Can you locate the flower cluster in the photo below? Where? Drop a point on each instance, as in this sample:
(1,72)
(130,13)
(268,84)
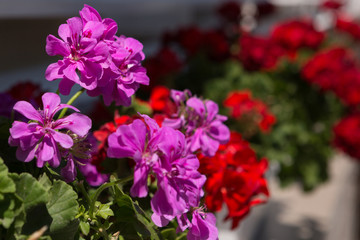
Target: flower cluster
(42,137)
(200,121)
(108,65)
(347,135)
(234,177)
(161,151)
(259,53)
(241,104)
(335,70)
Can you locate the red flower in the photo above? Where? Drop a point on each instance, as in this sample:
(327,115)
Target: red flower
(297,34)
(332,4)
(326,67)
(160,101)
(258,53)
(165,62)
(347,135)
(234,177)
(191,39)
(349,26)
(241,103)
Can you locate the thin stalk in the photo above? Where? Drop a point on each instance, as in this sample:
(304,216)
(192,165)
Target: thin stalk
(72,99)
(102,188)
(84,192)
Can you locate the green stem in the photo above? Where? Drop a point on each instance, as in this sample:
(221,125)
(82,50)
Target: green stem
(102,188)
(84,192)
(76,95)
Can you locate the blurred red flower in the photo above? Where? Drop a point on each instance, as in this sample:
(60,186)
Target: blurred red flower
(347,135)
(241,103)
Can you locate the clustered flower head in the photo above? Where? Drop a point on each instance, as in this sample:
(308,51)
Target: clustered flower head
(347,135)
(335,70)
(108,65)
(199,120)
(234,177)
(45,138)
(242,104)
(161,152)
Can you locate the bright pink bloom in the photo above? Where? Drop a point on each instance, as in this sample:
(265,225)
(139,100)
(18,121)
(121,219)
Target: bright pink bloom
(41,137)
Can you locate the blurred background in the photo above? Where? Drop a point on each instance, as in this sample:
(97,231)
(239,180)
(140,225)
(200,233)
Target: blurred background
(330,211)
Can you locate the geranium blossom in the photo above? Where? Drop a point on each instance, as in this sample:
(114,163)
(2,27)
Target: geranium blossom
(234,177)
(162,152)
(199,119)
(41,137)
(242,104)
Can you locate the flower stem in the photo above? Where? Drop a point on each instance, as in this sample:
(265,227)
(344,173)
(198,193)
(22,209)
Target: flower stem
(72,99)
(102,188)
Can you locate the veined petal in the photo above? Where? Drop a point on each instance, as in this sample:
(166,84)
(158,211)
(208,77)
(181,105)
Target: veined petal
(70,72)
(53,71)
(197,105)
(63,139)
(45,151)
(140,188)
(27,110)
(78,123)
(20,129)
(88,13)
(212,109)
(50,101)
(55,46)
(65,33)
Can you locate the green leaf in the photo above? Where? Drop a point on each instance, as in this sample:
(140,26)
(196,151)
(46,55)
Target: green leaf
(62,205)
(85,228)
(29,190)
(7,185)
(104,211)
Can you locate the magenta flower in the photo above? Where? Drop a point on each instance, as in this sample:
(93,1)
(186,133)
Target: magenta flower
(203,226)
(125,73)
(40,137)
(82,51)
(162,152)
(199,119)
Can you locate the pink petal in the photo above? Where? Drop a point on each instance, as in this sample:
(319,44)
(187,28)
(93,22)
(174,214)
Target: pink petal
(27,110)
(76,122)
(53,71)
(55,46)
(50,102)
(63,139)
(65,86)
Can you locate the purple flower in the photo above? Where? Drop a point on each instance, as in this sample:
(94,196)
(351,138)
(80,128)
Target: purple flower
(162,152)
(40,137)
(203,226)
(82,51)
(199,119)
(125,73)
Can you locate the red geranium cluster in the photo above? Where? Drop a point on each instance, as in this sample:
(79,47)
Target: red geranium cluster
(234,177)
(347,135)
(296,34)
(335,70)
(259,53)
(348,25)
(241,103)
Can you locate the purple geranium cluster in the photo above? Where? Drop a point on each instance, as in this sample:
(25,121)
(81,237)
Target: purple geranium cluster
(199,120)
(47,139)
(162,152)
(96,59)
